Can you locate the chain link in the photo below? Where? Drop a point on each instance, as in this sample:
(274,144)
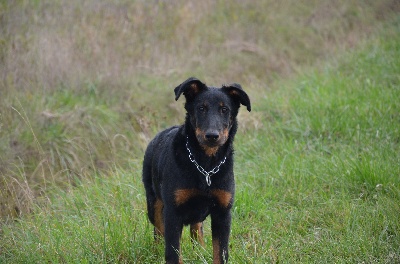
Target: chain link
(207,174)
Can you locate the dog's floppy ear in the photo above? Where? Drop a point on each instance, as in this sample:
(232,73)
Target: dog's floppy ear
(235,91)
(190,88)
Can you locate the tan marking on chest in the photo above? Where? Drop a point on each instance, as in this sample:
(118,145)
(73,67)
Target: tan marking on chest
(224,198)
(183,195)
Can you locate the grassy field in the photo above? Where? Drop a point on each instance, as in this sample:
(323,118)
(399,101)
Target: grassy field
(85,85)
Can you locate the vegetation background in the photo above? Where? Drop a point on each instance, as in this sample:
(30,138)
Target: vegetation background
(84,85)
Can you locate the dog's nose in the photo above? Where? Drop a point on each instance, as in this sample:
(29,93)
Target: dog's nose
(212,136)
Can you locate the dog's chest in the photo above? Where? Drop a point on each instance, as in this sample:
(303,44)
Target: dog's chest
(195,204)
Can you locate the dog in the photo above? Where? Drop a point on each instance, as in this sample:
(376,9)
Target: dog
(188,169)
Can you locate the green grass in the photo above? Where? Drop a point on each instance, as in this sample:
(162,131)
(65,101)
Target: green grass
(317,160)
(322,179)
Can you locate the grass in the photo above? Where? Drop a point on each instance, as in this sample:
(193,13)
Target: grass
(317,161)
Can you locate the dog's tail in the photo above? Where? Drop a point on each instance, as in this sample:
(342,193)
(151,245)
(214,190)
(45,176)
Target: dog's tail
(148,183)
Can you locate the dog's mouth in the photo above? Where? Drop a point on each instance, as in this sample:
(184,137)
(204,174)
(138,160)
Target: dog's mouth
(210,141)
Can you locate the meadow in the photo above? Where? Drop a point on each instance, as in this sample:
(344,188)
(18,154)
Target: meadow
(86,84)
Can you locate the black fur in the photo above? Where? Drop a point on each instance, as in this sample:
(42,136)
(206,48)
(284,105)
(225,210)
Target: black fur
(177,193)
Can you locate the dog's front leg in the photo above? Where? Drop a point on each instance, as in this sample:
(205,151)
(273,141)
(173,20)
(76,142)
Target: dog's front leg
(220,226)
(173,232)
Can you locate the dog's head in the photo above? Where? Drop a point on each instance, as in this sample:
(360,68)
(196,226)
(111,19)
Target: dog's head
(212,111)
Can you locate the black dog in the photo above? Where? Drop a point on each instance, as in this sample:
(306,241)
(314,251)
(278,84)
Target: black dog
(188,169)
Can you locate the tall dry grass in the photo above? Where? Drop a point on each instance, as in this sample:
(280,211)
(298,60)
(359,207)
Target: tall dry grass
(70,42)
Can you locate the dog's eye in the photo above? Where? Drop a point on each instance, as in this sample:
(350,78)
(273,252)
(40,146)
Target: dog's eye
(202,109)
(224,109)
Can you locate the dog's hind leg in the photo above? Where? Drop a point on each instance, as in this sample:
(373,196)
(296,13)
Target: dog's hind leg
(158,219)
(154,205)
(196,233)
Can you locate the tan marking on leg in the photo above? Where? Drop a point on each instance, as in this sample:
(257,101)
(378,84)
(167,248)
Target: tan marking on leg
(158,217)
(216,249)
(223,197)
(196,233)
(183,195)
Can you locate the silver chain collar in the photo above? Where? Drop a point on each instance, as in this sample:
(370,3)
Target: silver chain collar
(207,174)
